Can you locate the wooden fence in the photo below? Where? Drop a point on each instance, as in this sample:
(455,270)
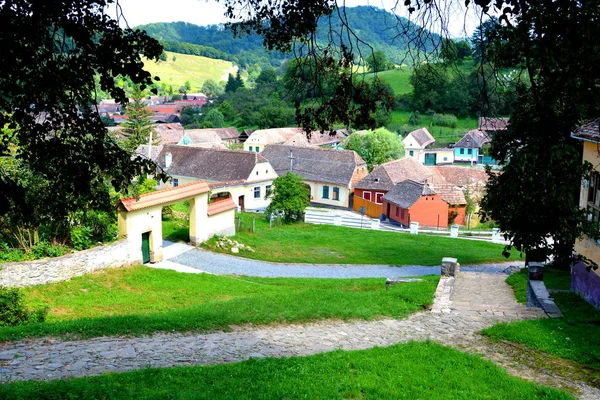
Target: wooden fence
(373,210)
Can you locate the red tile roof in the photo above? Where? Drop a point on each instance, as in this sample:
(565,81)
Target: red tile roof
(220,206)
(164,196)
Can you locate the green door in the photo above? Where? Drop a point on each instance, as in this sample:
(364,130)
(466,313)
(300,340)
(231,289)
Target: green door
(146,247)
(430,158)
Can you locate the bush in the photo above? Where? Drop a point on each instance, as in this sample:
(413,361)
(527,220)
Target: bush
(448,120)
(81,237)
(44,249)
(10,254)
(13,311)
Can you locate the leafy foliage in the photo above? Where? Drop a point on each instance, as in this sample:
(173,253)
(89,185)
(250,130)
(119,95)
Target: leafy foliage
(13,311)
(375,147)
(377,61)
(289,197)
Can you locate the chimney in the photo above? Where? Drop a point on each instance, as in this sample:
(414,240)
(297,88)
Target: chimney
(168,159)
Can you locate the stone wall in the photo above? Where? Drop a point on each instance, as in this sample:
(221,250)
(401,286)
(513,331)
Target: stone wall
(47,270)
(586,283)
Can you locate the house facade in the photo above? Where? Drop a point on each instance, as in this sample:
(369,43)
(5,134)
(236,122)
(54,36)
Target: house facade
(259,139)
(242,176)
(330,174)
(587,283)
(411,201)
(416,142)
(468,148)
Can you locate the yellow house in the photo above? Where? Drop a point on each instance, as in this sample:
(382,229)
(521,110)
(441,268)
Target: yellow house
(584,282)
(330,174)
(243,176)
(416,142)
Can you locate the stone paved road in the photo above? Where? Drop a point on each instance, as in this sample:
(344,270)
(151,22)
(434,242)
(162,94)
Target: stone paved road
(476,301)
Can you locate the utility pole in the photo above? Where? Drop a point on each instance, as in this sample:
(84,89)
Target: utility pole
(292,158)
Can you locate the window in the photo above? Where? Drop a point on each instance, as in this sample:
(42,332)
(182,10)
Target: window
(269,188)
(445,158)
(411,153)
(257,149)
(175,182)
(256,172)
(378,197)
(336,194)
(325,192)
(257,192)
(397,211)
(250,148)
(470,151)
(462,151)
(402,213)
(367,196)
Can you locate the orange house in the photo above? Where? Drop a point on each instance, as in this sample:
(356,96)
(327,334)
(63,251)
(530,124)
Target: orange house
(411,201)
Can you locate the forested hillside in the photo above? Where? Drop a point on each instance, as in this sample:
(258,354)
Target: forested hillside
(377,27)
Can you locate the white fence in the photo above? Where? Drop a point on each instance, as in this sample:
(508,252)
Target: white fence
(339,218)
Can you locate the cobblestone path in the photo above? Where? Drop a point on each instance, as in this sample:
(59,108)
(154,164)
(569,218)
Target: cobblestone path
(476,300)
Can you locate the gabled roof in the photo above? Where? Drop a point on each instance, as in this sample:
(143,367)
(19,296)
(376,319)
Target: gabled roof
(220,206)
(227,133)
(450,193)
(473,140)
(210,164)
(589,131)
(406,193)
(492,124)
(314,163)
(273,136)
(422,137)
(201,136)
(150,152)
(462,176)
(384,176)
(169,133)
(164,196)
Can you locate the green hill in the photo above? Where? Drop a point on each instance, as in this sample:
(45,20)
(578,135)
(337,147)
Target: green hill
(195,69)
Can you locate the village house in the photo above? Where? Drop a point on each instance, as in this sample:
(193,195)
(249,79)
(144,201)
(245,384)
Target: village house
(330,174)
(587,283)
(206,138)
(411,201)
(468,148)
(259,139)
(369,192)
(492,125)
(243,176)
(416,144)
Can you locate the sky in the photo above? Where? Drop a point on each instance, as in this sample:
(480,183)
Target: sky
(208,12)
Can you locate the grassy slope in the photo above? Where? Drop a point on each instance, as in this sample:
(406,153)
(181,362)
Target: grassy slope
(191,68)
(406,371)
(140,300)
(576,336)
(327,244)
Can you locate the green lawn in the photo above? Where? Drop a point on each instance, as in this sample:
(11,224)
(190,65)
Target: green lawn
(442,134)
(141,300)
(186,67)
(328,244)
(575,336)
(175,228)
(407,371)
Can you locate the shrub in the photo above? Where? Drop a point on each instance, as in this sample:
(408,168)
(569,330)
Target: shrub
(44,249)
(13,311)
(448,120)
(10,254)
(81,237)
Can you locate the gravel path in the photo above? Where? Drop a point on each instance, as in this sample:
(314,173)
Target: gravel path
(223,264)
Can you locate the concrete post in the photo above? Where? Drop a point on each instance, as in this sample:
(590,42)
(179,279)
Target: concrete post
(496,235)
(450,266)
(337,220)
(454,231)
(535,273)
(414,228)
(375,223)
(199,219)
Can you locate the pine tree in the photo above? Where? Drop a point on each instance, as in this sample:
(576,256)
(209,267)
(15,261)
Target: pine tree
(138,127)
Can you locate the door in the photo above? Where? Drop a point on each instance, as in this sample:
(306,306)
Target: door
(430,158)
(241,203)
(146,247)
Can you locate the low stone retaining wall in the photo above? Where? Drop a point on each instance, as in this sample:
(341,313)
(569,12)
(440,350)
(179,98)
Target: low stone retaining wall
(47,270)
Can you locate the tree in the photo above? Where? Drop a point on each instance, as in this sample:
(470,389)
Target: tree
(212,89)
(213,119)
(289,197)
(377,61)
(138,128)
(232,84)
(50,57)
(375,147)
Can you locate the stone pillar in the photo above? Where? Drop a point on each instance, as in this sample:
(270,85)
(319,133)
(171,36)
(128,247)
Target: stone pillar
(414,228)
(535,273)
(337,220)
(454,231)
(450,266)
(375,223)
(496,235)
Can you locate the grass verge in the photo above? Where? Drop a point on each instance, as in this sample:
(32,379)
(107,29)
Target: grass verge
(140,300)
(328,244)
(417,370)
(575,336)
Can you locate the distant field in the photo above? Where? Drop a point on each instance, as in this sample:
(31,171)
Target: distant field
(442,134)
(186,67)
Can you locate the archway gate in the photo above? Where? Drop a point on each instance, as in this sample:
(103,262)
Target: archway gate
(140,220)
